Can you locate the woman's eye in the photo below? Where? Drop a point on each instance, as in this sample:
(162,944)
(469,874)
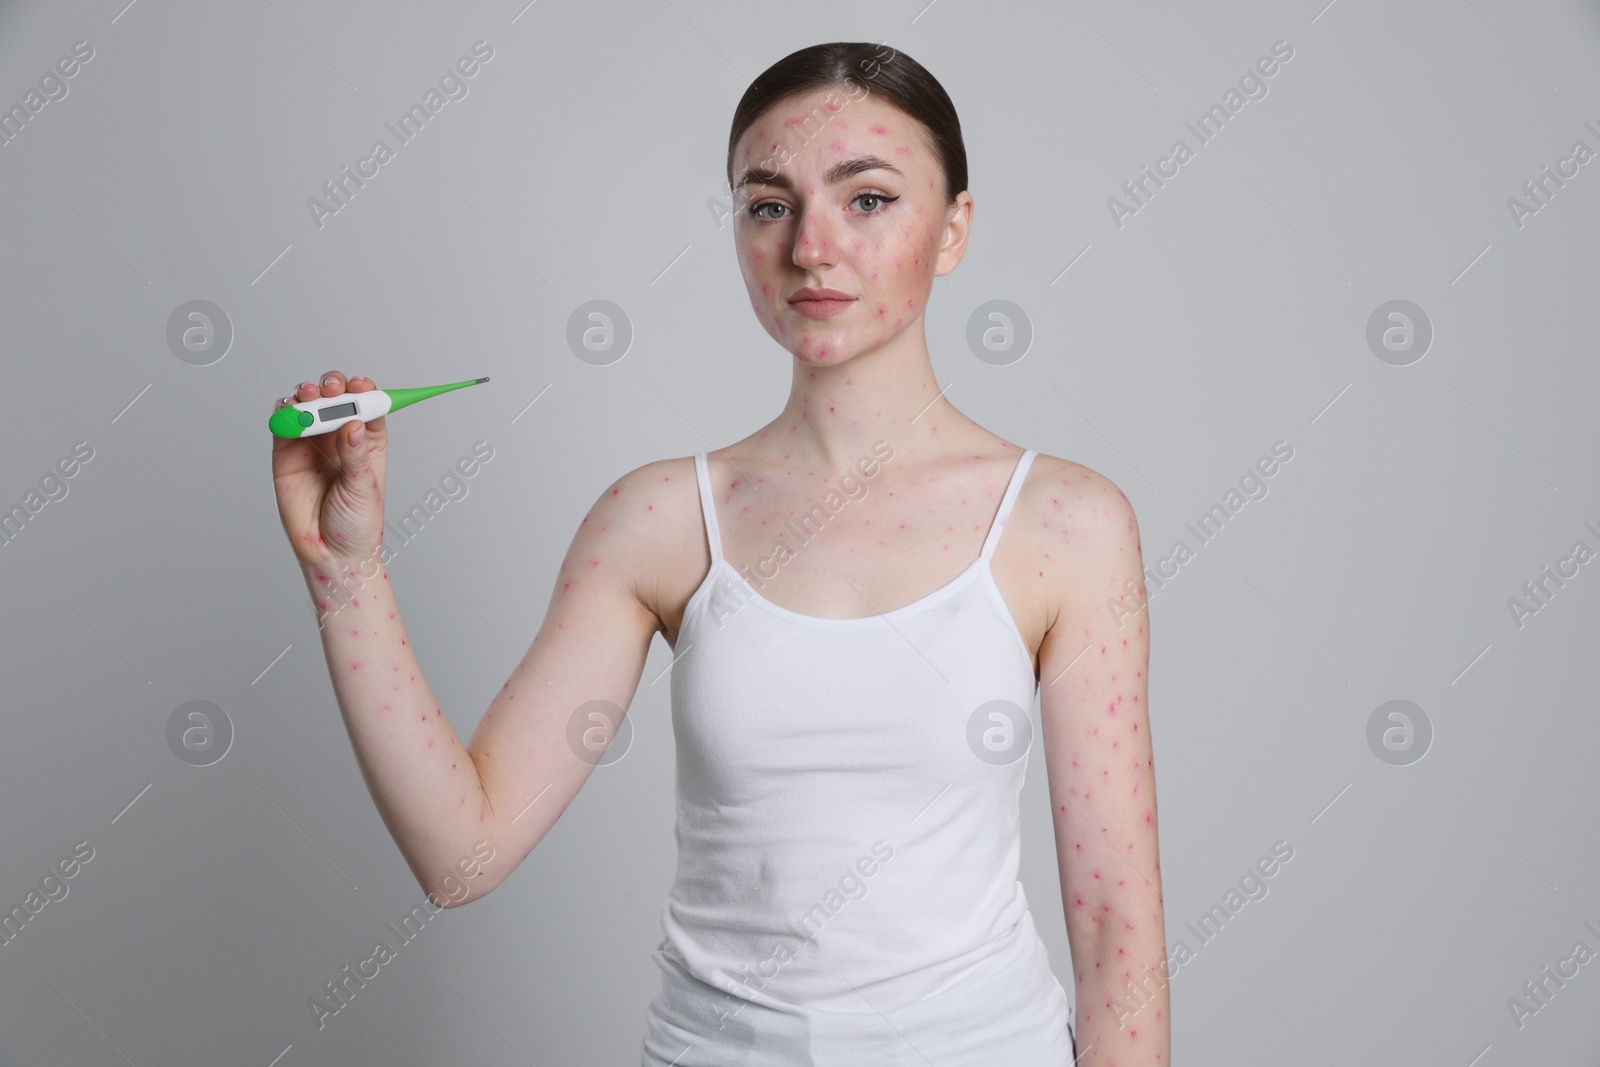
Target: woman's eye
(879,197)
(755,209)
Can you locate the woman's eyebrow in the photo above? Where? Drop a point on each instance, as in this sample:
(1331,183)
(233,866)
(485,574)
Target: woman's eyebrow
(847,168)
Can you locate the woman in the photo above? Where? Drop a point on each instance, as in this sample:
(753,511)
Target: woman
(856,651)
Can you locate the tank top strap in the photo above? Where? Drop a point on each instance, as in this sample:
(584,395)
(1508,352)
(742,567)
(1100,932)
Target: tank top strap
(1010,498)
(702,475)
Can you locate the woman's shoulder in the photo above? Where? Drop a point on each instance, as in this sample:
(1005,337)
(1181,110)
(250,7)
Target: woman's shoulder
(644,514)
(645,529)
(653,499)
(1067,484)
(1070,511)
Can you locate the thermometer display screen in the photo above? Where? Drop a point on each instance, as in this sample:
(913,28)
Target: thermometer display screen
(337,411)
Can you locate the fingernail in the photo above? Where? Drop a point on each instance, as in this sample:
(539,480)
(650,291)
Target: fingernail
(307,385)
(357,434)
(329,380)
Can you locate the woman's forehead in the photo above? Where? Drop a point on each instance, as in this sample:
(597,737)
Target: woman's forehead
(819,128)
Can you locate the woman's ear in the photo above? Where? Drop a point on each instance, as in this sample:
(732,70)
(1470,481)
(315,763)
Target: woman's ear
(957,226)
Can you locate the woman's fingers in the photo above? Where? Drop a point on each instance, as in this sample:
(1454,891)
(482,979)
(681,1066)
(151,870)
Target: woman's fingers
(331,384)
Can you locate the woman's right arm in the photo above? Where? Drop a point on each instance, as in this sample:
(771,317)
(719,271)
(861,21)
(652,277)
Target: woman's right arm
(463,816)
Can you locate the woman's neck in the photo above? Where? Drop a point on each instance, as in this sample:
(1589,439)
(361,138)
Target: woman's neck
(835,414)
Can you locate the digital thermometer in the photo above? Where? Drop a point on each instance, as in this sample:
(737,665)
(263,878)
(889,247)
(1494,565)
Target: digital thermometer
(328,413)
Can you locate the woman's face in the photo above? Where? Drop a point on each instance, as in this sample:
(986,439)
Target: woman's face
(839,190)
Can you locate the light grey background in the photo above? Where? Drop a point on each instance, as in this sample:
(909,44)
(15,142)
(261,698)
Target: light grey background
(585,163)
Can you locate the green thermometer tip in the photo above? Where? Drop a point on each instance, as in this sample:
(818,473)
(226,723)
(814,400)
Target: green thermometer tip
(399,398)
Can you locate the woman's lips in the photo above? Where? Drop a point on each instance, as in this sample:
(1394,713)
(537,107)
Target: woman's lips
(820,309)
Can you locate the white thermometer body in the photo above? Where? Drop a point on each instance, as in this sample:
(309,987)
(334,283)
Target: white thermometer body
(331,412)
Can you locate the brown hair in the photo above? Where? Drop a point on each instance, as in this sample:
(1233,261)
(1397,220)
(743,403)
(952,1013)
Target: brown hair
(901,81)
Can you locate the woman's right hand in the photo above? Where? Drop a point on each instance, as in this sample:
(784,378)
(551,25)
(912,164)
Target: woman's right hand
(330,486)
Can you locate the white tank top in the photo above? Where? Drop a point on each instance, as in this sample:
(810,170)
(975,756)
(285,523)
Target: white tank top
(847,833)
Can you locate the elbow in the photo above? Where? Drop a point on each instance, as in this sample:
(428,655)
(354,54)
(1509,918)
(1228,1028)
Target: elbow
(453,891)
(462,882)
(464,897)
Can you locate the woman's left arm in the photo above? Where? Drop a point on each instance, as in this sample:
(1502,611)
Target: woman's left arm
(1094,707)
